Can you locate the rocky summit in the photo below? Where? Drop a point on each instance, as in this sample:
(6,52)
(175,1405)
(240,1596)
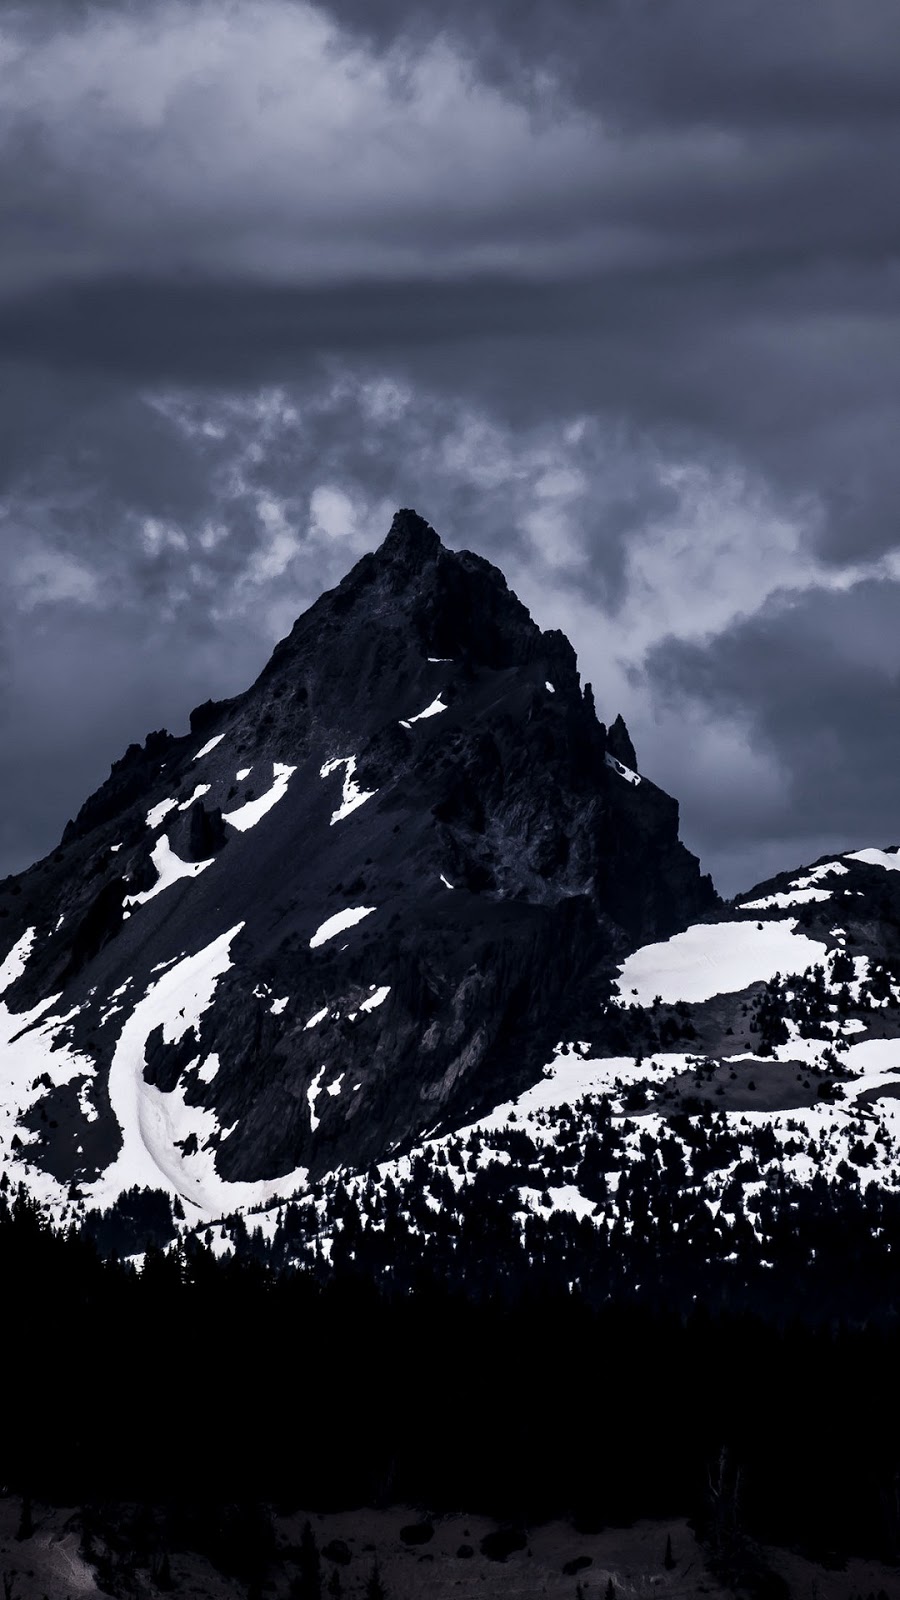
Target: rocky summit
(355,906)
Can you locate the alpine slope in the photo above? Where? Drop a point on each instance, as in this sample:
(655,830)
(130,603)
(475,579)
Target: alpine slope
(407,902)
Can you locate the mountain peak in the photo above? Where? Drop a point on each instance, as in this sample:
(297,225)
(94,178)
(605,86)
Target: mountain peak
(619,743)
(396,862)
(411,540)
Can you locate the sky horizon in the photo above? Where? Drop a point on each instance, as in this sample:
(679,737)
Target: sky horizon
(609,294)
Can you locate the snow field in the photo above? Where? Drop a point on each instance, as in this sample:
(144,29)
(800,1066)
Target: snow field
(154,1124)
(877,858)
(34,1044)
(801,891)
(715,958)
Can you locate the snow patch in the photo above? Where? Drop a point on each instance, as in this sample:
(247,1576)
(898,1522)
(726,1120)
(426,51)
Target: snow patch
(247,816)
(715,958)
(157,813)
(154,1124)
(278,1006)
(17,960)
(430,711)
(170,868)
(352,795)
(202,788)
(34,1048)
(210,745)
(316,1018)
(243,773)
(877,858)
(446,882)
(337,924)
(621,769)
(789,897)
(549,687)
(312,1095)
(816,874)
(376,999)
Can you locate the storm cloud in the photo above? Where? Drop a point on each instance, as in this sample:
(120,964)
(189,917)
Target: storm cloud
(607,291)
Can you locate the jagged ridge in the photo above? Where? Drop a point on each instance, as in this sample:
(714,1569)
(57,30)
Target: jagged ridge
(416,751)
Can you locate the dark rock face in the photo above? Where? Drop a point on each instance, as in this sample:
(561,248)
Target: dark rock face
(619,745)
(436,766)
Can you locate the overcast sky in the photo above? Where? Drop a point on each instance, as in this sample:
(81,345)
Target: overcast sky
(606,289)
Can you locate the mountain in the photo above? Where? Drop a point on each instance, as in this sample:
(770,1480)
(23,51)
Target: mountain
(357,904)
(384,1024)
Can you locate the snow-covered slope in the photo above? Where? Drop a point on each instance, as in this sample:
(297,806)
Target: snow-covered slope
(408,905)
(762,1052)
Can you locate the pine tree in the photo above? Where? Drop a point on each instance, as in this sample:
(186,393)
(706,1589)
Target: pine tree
(308,1583)
(162,1572)
(26,1522)
(375,1589)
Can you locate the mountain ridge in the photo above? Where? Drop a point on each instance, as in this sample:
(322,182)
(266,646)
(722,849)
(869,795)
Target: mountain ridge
(417,757)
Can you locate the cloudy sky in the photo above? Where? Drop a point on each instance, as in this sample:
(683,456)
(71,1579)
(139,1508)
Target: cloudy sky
(606,289)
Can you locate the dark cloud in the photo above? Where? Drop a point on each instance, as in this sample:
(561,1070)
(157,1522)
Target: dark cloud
(674,60)
(607,288)
(815,681)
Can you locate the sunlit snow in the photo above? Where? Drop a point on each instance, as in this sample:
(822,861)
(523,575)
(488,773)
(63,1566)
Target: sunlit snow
(201,788)
(876,858)
(352,795)
(801,890)
(338,923)
(156,813)
(17,960)
(430,711)
(248,815)
(376,999)
(789,897)
(312,1095)
(170,868)
(621,769)
(715,958)
(828,869)
(154,1123)
(210,745)
(33,1047)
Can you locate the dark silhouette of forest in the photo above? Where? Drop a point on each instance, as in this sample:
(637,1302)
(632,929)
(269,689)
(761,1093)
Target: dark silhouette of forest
(675,1363)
